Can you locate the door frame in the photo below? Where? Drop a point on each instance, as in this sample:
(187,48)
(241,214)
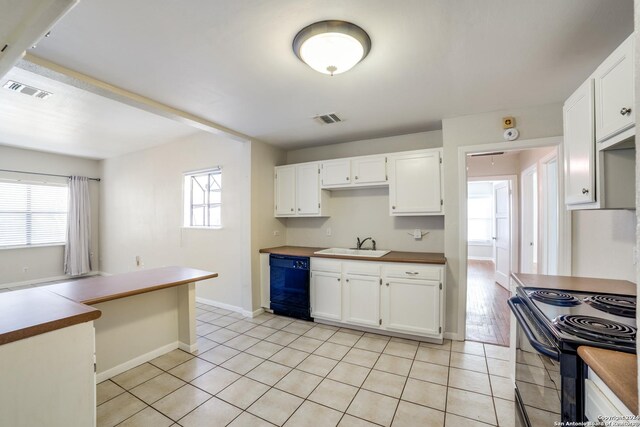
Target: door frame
(543,202)
(513,226)
(564,223)
(523,203)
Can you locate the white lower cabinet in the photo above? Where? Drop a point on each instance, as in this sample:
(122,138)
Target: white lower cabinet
(411,306)
(326,295)
(402,298)
(362,300)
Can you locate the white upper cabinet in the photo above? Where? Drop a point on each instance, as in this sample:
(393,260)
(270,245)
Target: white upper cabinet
(336,173)
(415,183)
(285,191)
(308,189)
(614,90)
(579,149)
(366,171)
(369,170)
(297,191)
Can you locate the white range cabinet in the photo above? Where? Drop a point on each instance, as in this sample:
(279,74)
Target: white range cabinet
(599,130)
(395,297)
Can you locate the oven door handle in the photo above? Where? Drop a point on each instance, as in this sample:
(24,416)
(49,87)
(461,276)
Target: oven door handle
(514,305)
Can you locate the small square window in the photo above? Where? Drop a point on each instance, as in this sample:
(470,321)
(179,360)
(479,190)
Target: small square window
(203,198)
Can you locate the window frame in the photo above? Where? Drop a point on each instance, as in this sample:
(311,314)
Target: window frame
(188,205)
(490,220)
(29,213)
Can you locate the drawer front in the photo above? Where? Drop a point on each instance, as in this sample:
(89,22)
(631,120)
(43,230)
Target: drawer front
(413,271)
(365,268)
(328,265)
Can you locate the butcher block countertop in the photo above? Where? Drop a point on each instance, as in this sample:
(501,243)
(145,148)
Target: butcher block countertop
(618,370)
(29,312)
(393,256)
(99,289)
(571,283)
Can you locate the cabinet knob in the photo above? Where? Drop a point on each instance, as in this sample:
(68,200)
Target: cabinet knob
(387,285)
(291,209)
(347,178)
(625,111)
(356,176)
(393,207)
(338,279)
(347,280)
(585,191)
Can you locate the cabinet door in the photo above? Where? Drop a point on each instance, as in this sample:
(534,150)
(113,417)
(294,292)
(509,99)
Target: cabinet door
(411,306)
(369,170)
(579,146)
(362,300)
(414,184)
(614,89)
(336,173)
(326,295)
(308,189)
(285,185)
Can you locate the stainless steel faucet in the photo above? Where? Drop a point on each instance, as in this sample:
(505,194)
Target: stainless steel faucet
(360,243)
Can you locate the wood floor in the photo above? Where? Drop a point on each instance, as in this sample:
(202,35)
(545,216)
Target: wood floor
(487,310)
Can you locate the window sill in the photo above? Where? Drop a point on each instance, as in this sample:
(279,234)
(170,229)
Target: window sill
(186,227)
(31,246)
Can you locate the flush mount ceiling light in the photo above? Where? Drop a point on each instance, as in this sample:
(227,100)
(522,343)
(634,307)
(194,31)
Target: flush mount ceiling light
(332,47)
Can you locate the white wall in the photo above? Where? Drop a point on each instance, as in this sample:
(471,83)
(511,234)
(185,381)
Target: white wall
(45,262)
(263,224)
(365,212)
(413,141)
(535,122)
(142,214)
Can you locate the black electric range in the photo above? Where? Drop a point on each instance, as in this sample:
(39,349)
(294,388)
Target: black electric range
(552,324)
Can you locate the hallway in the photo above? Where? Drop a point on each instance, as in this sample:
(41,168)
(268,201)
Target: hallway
(487,310)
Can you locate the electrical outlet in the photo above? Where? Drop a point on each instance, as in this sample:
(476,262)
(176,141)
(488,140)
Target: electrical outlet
(635,256)
(25,269)
(138,261)
(276,233)
(329,232)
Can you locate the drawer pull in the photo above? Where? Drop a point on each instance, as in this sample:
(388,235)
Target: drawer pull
(413,273)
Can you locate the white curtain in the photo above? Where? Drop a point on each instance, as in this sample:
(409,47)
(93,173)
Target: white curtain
(77,259)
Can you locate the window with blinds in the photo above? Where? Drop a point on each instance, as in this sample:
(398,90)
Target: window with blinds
(32,214)
(203,199)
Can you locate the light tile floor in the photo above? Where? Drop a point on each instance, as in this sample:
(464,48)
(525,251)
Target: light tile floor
(273,370)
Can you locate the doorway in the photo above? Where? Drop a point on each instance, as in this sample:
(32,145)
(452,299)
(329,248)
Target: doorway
(512,223)
(490,225)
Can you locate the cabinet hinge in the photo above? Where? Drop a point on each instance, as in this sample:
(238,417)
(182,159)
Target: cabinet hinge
(318,171)
(385,160)
(276,207)
(441,202)
(440,285)
(380,281)
(386,177)
(380,322)
(440,160)
(439,329)
(318,204)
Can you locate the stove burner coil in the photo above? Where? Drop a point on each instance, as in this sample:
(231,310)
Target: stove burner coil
(593,328)
(555,298)
(620,306)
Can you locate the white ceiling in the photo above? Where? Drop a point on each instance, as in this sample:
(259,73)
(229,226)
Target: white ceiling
(77,122)
(231,61)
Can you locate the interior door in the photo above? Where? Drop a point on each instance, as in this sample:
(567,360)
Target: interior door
(502,206)
(529,223)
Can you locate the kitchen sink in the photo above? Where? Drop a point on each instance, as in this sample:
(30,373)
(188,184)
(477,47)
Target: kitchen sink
(352,252)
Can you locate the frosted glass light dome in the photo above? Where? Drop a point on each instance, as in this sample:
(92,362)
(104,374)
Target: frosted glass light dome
(332,47)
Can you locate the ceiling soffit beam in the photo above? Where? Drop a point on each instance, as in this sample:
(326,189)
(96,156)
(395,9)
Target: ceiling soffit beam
(44,15)
(87,83)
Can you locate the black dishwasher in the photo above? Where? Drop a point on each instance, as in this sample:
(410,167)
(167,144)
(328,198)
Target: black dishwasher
(290,286)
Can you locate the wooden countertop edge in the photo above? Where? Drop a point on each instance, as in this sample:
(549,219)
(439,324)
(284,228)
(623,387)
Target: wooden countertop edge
(116,296)
(618,370)
(53,325)
(309,252)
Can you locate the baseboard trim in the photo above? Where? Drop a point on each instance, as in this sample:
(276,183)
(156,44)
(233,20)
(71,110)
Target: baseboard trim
(188,348)
(233,308)
(379,331)
(452,336)
(110,373)
(49,279)
(481,258)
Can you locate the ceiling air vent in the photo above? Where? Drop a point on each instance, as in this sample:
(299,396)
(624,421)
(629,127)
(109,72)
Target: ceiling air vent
(27,90)
(327,119)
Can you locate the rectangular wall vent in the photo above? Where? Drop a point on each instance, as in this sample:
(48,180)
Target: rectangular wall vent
(327,119)
(26,90)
